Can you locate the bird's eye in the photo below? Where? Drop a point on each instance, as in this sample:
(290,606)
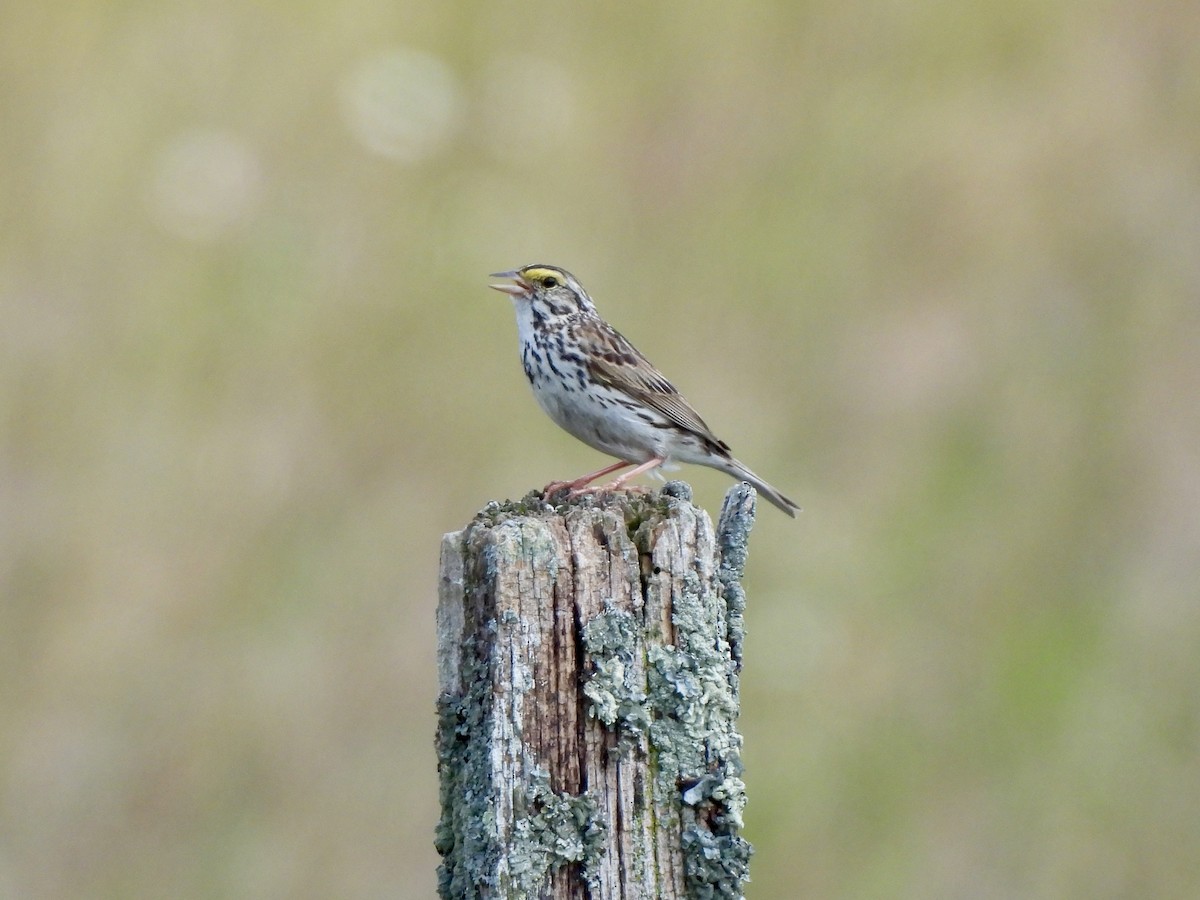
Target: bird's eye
(549,282)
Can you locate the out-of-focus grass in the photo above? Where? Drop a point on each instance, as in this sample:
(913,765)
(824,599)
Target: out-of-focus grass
(932,270)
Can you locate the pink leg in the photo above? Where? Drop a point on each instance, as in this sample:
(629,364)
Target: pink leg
(632,473)
(578,483)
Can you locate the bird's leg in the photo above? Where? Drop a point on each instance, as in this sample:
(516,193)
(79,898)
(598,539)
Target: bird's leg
(649,464)
(577,485)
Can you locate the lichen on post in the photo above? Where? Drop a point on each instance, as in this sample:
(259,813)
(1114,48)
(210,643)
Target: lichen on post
(588,658)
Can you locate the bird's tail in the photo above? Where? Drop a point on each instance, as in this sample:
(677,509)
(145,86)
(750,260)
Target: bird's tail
(737,470)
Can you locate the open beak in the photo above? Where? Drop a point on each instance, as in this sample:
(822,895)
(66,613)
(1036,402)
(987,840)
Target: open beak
(520,289)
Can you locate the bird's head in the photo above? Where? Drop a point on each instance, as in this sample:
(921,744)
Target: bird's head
(550,292)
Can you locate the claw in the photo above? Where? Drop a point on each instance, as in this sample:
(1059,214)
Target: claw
(576,487)
(581,486)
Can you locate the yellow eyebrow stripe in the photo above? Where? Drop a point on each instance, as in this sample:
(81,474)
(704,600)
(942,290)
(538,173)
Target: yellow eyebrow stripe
(533,274)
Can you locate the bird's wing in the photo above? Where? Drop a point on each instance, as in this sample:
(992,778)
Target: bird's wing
(616,363)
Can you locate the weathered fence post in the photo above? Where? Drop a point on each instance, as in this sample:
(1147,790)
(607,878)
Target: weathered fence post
(588,662)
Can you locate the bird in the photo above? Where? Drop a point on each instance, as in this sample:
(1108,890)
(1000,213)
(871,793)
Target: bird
(595,385)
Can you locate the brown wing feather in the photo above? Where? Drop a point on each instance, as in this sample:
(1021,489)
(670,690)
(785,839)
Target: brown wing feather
(615,362)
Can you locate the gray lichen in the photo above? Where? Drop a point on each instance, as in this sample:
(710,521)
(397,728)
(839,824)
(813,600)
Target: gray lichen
(613,683)
(550,830)
(717,863)
(733,535)
(694,709)
(678,490)
(466,833)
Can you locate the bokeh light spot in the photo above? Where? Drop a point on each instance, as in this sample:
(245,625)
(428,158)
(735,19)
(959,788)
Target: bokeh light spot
(402,105)
(204,183)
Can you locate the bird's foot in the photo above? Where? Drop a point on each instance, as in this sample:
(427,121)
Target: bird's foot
(580,485)
(567,488)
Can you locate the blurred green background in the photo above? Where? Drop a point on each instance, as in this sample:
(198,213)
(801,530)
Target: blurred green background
(933,269)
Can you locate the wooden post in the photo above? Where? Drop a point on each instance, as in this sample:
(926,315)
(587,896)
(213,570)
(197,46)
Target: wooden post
(588,660)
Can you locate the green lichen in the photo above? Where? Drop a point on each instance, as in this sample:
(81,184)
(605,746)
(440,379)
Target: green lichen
(693,692)
(550,830)
(716,862)
(613,683)
(466,832)
(497,512)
